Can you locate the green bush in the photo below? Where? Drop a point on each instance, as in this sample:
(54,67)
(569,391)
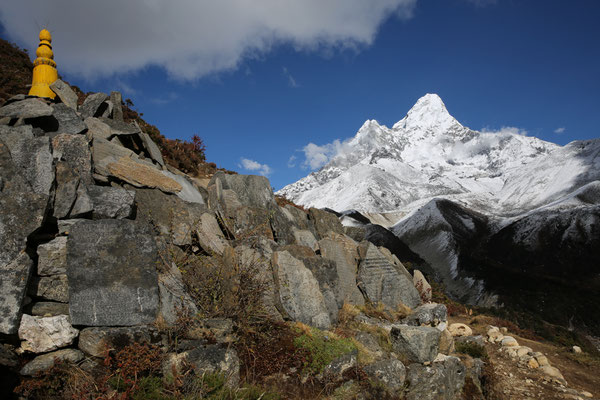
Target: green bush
(471,348)
(323,348)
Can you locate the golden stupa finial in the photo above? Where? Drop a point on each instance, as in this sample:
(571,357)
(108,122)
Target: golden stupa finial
(44,68)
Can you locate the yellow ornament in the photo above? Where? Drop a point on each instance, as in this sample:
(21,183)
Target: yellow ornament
(44,68)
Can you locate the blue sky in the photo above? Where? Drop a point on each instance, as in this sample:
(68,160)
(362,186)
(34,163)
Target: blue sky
(530,64)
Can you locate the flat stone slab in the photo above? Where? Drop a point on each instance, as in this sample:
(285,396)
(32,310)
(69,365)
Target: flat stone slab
(111,202)
(91,105)
(42,334)
(52,257)
(13,287)
(46,361)
(65,93)
(68,120)
(111,268)
(28,108)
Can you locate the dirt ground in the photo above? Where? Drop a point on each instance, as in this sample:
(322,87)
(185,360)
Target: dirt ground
(513,381)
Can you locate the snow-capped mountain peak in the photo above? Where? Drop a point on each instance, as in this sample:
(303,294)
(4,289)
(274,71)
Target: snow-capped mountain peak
(429,113)
(429,154)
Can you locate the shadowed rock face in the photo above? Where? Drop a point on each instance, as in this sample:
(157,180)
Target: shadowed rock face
(111,266)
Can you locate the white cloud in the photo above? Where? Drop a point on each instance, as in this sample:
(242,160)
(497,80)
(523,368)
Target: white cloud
(560,130)
(191,38)
(291,80)
(318,156)
(251,165)
(507,130)
(291,162)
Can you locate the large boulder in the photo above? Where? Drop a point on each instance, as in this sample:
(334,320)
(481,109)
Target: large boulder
(28,108)
(69,121)
(325,222)
(111,202)
(188,191)
(299,292)
(111,267)
(390,373)
(209,234)
(46,361)
(442,380)
(116,99)
(92,105)
(343,251)
(431,314)
(251,190)
(23,212)
(206,359)
(170,215)
(117,162)
(381,282)
(43,334)
(416,343)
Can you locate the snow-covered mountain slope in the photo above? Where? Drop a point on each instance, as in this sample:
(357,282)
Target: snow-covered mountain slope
(429,154)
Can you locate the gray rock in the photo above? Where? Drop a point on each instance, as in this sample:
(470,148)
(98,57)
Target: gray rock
(65,225)
(116,99)
(304,237)
(22,213)
(111,268)
(97,128)
(170,215)
(65,194)
(325,222)
(188,191)
(326,275)
(75,151)
(174,298)
(8,357)
(299,291)
(207,359)
(83,205)
(343,252)
(49,309)
(10,135)
(34,158)
(43,334)
(251,190)
(370,343)
(113,160)
(431,314)
(334,371)
(65,93)
(54,288)
(52,257)
(111,202)
(97,340)
(151,148)
(46,361)
(391,373)
(13,286)
(209,234)
(69,121)
(416,343)
(440,381)
(121,128)
(477,340)
(28,108)
(381,282)
(91,106)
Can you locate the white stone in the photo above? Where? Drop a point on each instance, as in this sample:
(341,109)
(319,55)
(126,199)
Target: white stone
(509,341)
(42,334)
(459,329)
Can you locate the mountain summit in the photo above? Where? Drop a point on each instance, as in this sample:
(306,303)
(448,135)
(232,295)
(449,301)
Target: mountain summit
(429,154)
